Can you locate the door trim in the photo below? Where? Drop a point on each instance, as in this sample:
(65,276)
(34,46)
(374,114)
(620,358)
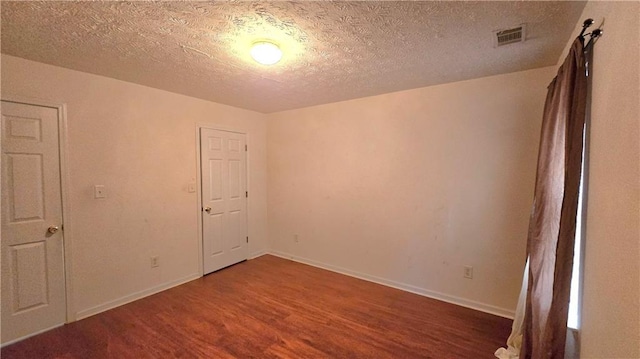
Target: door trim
(199,185)
(67,232)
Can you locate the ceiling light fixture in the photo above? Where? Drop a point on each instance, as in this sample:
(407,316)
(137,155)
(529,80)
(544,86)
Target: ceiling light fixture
(266,53)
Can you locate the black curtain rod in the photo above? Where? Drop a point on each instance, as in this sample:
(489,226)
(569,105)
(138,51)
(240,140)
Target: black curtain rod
(593,34)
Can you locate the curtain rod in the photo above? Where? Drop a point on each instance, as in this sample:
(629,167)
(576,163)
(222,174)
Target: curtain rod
(593,34)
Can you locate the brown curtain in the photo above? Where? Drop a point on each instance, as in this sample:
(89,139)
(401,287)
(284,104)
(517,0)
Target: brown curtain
(552,224)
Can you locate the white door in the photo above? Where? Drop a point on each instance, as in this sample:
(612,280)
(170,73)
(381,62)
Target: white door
(224,198)
(33,293)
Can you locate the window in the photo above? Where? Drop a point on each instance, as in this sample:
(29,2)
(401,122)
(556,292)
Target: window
(575,302)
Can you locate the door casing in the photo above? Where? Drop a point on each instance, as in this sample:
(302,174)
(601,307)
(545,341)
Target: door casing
(199,185)
(67,232)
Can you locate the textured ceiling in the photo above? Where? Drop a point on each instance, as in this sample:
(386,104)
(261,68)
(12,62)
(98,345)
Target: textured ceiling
(333,51)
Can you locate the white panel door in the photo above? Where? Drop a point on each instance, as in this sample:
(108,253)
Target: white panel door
(33,293)
(224,201)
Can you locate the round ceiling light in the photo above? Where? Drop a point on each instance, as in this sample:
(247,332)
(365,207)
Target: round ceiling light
(266,53)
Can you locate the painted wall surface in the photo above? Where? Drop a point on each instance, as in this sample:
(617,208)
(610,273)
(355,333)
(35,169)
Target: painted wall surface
(610,319)
(140,143)
(408,187)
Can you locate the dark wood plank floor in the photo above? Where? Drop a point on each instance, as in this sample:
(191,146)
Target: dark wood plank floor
(274,308)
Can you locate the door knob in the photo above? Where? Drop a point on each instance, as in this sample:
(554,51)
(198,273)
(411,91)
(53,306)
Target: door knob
(207,209)
(53,229)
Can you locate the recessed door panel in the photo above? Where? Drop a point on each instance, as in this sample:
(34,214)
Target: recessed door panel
(216,246)
(215,143)
(234,179)
(21,128)
(215,173)
(29,273)
(234,145)
(235,229)
(26,197)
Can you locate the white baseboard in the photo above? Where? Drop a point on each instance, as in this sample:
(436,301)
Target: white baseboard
(134,296)
(257,254)
(147,292)
(487,308)
(30,335)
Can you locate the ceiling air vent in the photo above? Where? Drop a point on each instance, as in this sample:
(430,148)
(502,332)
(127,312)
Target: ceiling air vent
(509,36)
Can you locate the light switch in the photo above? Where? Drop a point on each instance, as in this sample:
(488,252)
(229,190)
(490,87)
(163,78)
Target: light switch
(191,187)
(99,191)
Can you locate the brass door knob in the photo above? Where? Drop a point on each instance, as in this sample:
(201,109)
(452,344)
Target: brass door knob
(207,209)
(53,229)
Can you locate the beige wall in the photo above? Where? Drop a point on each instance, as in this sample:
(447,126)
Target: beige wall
(611,300)
(407,188)
(140,143)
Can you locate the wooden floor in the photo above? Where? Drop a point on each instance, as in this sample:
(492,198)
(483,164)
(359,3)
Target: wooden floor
(274,308)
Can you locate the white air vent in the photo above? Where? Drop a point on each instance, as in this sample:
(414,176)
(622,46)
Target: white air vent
(509,36)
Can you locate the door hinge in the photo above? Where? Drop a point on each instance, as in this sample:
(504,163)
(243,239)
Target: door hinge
(247,239)
(246,148)
(246,194)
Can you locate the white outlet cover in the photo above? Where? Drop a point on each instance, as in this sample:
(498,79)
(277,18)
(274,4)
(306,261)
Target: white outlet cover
(468,272)
(191,187)
(99,191)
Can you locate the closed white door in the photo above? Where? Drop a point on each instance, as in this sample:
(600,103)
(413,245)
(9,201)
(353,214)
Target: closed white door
(33,292)
(224,198)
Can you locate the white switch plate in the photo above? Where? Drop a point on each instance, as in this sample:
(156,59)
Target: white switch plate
(99,191)
(191,187)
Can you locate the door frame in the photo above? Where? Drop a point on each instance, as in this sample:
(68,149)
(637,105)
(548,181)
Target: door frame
(63,147)
(199,185)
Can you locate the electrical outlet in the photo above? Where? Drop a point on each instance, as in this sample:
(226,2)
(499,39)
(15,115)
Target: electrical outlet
(155,261)
(468,272)
(296,239)
(99,191)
